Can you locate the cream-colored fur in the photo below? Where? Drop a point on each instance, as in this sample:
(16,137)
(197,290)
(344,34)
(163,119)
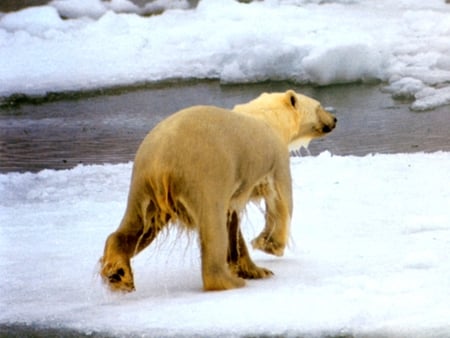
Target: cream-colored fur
(297,118)
(199,168)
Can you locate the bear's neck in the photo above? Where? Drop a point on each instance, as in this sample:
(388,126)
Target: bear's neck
(280,123)
(284,127)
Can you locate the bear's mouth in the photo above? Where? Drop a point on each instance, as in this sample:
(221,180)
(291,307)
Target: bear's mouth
(327,128)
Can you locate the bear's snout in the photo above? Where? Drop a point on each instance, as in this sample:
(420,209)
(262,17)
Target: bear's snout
(329,127)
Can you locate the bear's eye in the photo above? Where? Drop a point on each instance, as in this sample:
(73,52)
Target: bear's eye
(293,100)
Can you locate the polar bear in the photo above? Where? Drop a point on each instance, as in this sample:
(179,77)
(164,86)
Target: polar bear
(199,168)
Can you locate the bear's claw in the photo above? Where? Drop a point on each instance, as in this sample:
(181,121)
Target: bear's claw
(117,279)
(268,245)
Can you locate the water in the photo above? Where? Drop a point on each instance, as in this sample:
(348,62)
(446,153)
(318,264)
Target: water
(14,5)
(107,127)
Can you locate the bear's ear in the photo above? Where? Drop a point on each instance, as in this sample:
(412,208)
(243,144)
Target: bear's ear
(292,98)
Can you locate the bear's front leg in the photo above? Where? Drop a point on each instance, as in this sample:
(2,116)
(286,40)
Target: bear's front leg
(273,239)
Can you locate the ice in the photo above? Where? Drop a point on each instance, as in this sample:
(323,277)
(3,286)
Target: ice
(37,20)
(370,244)
(369,255)
(430,98)
(343,64)
(404,44)
(95,8)
(80,8)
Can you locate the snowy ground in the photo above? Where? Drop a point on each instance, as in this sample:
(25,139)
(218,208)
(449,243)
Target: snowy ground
(370,235)
(405,43)
(370,255)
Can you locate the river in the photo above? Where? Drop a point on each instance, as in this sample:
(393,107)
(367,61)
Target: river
(62,131)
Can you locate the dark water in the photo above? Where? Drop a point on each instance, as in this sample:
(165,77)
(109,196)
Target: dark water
(108,127)
(30,331)
(14,5)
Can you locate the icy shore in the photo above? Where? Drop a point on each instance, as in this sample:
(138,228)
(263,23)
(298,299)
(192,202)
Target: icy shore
(405,44)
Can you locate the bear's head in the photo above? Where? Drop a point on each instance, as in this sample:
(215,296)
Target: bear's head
(297,118)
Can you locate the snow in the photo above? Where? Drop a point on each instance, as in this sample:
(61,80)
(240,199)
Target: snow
(370,244)
(369,255)
(404,44)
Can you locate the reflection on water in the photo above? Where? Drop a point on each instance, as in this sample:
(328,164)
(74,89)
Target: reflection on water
(108,128)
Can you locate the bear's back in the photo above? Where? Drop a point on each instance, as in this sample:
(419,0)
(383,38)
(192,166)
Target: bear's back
(208,134)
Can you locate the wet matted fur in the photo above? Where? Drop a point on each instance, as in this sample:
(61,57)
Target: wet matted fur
(199,168)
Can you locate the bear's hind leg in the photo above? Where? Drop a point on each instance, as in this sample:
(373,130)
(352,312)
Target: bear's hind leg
(239,259)
(131,238)
(115,263)
(214,245)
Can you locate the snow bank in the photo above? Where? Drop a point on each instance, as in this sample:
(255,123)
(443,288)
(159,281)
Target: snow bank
(95,8)
(370,254)
(404,43)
